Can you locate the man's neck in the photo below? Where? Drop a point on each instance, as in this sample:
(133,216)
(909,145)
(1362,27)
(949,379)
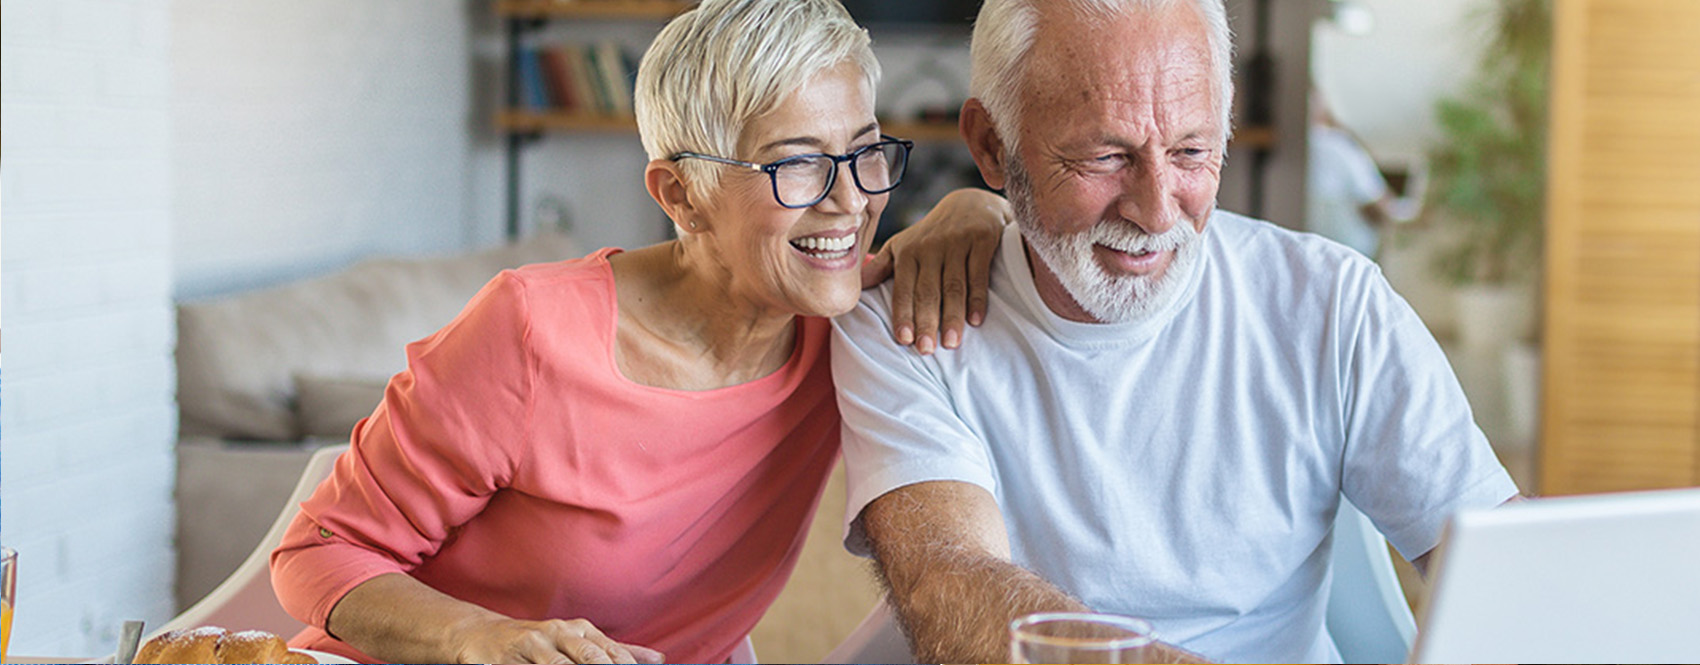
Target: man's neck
(1052,291)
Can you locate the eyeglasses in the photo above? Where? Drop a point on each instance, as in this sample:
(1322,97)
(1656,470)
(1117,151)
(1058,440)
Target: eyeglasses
(802,181)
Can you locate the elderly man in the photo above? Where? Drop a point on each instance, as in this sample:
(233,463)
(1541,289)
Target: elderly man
(1165,403)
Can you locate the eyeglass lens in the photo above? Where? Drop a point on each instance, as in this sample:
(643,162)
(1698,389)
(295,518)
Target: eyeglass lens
(804,181)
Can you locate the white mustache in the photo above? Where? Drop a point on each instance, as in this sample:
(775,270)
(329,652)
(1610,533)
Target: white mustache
(1125,237)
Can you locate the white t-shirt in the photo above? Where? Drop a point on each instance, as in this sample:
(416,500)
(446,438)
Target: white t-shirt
(1185,469)
(1341,181)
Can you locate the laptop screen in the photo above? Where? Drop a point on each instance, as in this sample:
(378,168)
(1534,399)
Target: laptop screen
(1600,578)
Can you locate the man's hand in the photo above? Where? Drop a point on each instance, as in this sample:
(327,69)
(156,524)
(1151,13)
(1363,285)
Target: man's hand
(941,268)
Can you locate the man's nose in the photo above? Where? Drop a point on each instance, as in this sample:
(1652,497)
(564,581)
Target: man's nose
(1147,200)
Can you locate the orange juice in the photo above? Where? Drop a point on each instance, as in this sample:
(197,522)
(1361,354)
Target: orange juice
(5,628)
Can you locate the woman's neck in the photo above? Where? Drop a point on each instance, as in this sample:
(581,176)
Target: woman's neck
(684,325)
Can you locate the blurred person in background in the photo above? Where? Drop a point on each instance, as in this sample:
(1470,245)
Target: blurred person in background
(1347,198)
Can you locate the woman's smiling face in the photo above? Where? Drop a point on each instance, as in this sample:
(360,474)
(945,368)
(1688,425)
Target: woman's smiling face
(805,261)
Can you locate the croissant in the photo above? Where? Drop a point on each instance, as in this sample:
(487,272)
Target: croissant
(213,645)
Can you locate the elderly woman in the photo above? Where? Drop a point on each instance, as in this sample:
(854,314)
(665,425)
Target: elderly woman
(615,457)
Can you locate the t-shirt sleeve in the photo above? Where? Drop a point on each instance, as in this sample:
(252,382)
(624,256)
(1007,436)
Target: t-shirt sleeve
(901,426)
(445,438)
(1414,455)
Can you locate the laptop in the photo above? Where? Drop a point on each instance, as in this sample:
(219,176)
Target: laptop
(1600,578)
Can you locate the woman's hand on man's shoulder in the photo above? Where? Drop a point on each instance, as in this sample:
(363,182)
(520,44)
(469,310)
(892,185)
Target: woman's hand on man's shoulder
(941,269)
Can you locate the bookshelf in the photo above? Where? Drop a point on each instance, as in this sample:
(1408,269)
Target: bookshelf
(520,122)
(658,10)
(515,120)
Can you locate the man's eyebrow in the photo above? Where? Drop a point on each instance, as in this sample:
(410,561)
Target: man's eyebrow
(816,143)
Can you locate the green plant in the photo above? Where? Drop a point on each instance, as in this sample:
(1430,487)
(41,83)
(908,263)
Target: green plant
(1488,172)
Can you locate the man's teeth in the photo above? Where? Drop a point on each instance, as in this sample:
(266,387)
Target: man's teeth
(820,244)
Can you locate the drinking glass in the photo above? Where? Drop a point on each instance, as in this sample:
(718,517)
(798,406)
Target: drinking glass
(8,595)
(1079,637)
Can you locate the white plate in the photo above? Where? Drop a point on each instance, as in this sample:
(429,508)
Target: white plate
(322,656)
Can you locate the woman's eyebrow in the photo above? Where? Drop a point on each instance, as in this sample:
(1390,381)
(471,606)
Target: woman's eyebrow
(814,142)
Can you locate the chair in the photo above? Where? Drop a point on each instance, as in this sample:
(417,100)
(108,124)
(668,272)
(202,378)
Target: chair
(245,600)
(1367,613)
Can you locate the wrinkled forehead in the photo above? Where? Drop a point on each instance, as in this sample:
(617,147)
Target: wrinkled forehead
(1156,58)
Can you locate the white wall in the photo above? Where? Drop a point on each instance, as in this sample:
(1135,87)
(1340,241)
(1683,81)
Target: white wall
(87,470)
(1384,85)
(191,147)
(311,133)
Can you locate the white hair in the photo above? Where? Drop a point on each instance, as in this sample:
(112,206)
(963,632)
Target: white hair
(1006,29)
(715,68)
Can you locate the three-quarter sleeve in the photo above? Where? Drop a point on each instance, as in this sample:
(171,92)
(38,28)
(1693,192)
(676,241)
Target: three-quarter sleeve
(448,435)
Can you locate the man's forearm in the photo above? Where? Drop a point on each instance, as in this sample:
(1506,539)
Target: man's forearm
(959,610)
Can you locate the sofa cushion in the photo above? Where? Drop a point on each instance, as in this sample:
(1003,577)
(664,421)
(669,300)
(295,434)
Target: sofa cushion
(329,407)
(238,356)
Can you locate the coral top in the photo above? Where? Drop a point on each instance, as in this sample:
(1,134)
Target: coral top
(513,466)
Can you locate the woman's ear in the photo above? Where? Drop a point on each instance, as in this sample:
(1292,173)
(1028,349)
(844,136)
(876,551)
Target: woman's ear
(984,143)
(666,184)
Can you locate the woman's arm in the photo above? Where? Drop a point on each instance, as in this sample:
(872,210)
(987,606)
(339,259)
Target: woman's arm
(941,268)
(398,619)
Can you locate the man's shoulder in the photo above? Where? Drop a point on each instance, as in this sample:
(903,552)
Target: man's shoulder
(1254,242)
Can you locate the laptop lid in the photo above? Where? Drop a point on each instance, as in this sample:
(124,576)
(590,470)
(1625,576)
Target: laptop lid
(1600,578)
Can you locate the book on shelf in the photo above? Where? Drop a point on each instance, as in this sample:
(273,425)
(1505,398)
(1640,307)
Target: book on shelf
(582,79)
(559,79)
(609,70)
(598,78)
(534,93)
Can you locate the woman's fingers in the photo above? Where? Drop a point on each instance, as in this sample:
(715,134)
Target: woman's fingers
(929,267)
(902,298)
(579,641)
(646,655)
(953,296)
(980,257)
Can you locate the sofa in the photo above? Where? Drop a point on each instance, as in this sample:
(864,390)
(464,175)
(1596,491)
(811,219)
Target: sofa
(266,377)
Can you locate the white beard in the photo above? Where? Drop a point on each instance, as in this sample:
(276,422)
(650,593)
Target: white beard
(1108,298)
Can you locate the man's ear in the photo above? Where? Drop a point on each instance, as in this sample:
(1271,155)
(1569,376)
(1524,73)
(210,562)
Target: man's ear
(983,141)
(666,184)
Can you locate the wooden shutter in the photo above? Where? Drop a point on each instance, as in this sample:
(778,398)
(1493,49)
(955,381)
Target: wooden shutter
(1622,362)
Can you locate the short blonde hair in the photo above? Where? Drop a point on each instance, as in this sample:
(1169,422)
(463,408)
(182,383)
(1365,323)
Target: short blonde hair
(1005,30)
(717,67)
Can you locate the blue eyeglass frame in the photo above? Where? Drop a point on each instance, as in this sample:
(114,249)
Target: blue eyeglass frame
(772,168)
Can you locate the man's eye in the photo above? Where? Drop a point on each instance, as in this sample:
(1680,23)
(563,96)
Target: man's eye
(1103,163)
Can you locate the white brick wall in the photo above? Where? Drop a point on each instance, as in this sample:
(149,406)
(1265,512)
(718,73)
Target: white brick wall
(86,466)
(314,132)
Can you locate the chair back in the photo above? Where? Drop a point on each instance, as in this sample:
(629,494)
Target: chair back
(1367,614)
(876,640)
(245,600)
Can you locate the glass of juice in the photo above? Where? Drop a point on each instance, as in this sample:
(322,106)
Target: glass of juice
(8,596)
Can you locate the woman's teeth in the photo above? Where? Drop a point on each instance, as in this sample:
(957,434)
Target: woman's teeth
(823,247)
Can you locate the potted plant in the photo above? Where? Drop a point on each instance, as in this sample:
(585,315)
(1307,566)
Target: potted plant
(1488,173)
